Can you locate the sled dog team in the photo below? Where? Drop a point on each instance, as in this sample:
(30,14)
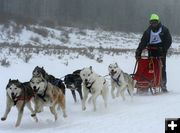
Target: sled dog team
(46,90)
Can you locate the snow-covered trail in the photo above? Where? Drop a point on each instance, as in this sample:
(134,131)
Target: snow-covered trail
(145,114)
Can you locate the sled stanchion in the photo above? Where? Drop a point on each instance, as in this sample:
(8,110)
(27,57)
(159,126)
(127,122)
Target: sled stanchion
(135,66)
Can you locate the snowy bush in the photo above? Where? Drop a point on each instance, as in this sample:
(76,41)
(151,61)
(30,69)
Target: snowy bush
(35,39)
(4,62)
(41,31)
(64,37)
(27,57)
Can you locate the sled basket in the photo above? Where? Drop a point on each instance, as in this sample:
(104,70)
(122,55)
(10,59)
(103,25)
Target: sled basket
(148,73)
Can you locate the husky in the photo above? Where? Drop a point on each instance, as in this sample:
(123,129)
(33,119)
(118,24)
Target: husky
(18,94)
(39,71)
(120,80)
(73,82)
(93,84)
(47,94)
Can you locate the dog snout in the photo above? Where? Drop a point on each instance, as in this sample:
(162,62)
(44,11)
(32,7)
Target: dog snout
(34,88)
(112,70)
(86,80)
(13,95)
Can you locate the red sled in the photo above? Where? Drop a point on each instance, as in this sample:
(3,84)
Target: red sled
(148,74)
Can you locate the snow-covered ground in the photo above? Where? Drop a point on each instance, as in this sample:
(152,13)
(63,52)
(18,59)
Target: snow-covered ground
(146,114)
(70,37)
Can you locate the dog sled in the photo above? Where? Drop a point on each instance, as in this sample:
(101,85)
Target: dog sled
(148,74)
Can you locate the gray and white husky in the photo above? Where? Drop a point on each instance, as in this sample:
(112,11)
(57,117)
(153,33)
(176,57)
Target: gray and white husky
(120,80)
(18,94)
(47,94)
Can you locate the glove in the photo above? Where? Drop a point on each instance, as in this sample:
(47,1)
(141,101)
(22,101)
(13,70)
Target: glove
(137,57)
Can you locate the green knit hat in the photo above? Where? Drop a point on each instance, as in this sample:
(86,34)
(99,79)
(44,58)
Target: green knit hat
(154,17)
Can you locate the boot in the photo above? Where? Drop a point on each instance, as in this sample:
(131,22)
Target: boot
(164,89)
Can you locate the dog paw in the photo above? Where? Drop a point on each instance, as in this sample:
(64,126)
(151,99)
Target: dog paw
(65,115)
(3,119)
(55,117)
(17,125)
(36,119)
(84,108)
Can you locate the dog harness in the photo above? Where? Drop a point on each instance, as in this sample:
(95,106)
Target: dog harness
(42,96)
(24,98)
(89,86)
(116,80)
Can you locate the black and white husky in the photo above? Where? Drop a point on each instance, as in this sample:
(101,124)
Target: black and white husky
(18,94)
(39,71)
(73,82)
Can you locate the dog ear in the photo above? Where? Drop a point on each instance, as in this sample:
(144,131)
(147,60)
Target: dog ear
(9,80)
(116,64)
(90,68)
(18,81)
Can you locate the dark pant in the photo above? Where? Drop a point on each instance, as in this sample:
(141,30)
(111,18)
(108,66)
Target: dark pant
(164,76)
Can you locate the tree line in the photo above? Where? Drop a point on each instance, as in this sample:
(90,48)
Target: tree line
(119,15)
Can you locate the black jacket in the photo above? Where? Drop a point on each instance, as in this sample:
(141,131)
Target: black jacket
(161,47)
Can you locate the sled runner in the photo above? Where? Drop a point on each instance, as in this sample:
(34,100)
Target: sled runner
(148,74)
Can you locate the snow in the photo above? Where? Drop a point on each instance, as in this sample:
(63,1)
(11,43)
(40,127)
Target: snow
(71,37)
(146,114)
